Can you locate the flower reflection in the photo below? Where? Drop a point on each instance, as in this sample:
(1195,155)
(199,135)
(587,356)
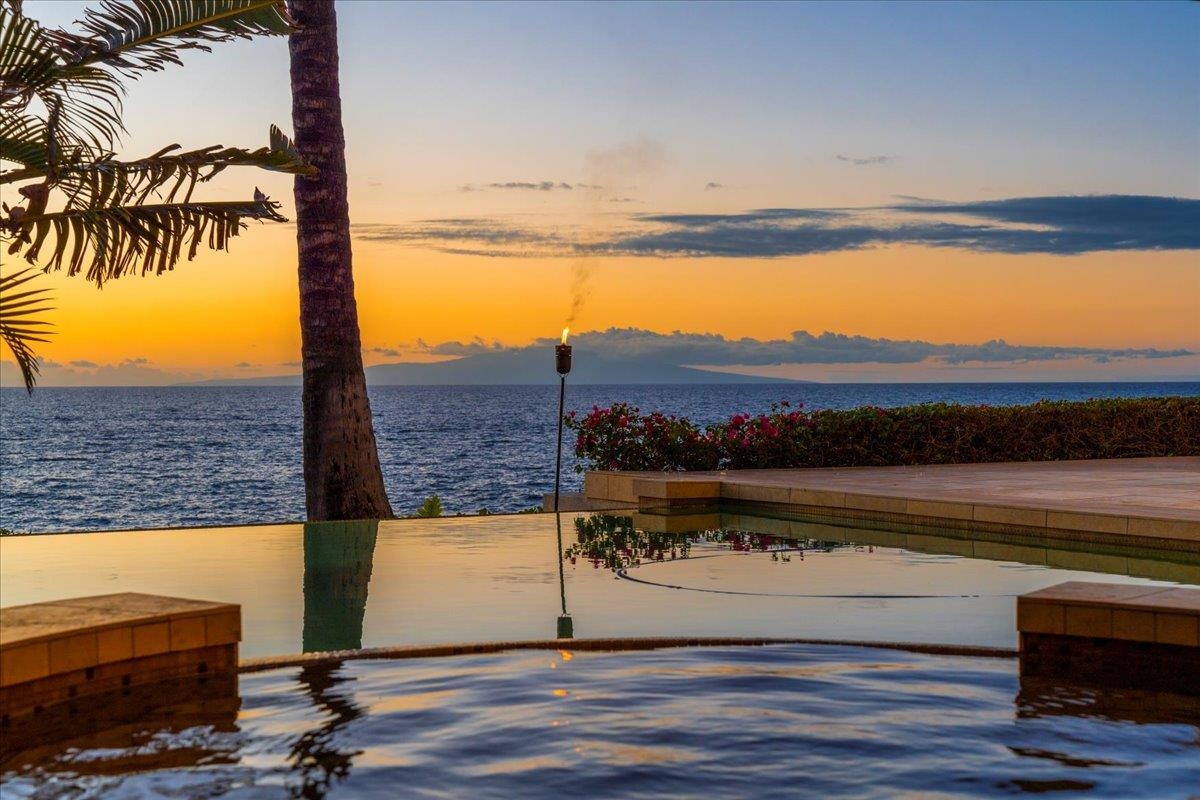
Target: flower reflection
(616,543)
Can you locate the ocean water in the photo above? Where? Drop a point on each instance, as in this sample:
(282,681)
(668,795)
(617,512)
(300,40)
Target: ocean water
(104,458)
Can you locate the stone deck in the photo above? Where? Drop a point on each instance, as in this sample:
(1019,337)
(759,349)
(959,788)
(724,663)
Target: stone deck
(1150,500)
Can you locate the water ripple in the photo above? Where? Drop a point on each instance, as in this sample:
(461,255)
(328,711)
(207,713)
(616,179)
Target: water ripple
(774,722)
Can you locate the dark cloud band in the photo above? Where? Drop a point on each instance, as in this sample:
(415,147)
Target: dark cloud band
(1058,225)
(706,349)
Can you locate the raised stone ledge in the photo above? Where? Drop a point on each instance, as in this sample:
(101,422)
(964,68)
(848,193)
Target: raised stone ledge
(1145,634)
(1164,615)
(66,650)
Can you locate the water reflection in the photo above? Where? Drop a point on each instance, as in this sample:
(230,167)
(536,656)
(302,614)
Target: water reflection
(621,542)
(316,758)
(566,626)
(908,723)
(130,730)
(1128,702)
(338,557)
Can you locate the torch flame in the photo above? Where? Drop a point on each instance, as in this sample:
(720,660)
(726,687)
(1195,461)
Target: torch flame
(564,336)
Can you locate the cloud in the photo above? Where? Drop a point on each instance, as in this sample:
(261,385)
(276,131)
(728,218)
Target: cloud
(390,352)
(713,185)
(1081,223)
(130,372)
(540,186)
(474,347)
(640,156)
(1057,225)
(243,365)
(866,161)
(529,186)
(466,235)
(291,363)
(646,352)
(803,347)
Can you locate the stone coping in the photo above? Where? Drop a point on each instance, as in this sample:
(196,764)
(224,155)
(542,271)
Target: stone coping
(65,636)
(1168,615)
(1142,499)
(599,644)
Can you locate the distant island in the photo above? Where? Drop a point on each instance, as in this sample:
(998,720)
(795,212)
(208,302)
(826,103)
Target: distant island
(523,366)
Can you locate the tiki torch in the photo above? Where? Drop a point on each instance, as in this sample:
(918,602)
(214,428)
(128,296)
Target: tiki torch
(562,362)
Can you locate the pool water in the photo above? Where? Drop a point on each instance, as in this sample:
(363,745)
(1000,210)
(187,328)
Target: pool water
(340,586)
(777,721)
(766,722)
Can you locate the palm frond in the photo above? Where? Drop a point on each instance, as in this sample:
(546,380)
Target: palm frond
(148,35)
(22,141)
(32,66)
(20,323)
(119,240)
(166,174)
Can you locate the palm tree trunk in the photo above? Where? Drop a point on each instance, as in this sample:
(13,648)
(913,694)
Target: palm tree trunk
(342,478)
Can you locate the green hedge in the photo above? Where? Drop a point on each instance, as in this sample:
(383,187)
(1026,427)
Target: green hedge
(621,437)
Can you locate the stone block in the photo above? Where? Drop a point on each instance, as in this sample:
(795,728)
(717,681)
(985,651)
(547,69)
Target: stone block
(1008,515)
(1093,523)
(152,639)
(816,497)
(1092,621)
(1165,528)
(187,633)
(1035,617)
(872,502)
(24,663)
(76,652)
(939,509)
(114,644)
(1182,629)
(1133,626)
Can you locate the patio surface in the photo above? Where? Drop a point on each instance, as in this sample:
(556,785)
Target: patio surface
(1141,498)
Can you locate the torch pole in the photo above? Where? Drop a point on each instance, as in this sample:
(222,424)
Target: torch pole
(562,397)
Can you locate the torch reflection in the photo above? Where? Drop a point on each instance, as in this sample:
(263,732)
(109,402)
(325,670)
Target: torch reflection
(566,628)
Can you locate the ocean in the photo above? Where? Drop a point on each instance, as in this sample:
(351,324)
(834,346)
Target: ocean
(114,458)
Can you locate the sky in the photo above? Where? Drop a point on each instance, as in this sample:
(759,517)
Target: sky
(943,173)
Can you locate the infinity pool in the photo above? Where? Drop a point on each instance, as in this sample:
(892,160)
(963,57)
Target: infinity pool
(342,586)
(766,722)
(776,721)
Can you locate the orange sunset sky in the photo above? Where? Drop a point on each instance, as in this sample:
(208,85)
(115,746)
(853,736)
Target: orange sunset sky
(566,122)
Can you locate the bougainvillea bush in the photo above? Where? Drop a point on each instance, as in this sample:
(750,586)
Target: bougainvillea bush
(622,438)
